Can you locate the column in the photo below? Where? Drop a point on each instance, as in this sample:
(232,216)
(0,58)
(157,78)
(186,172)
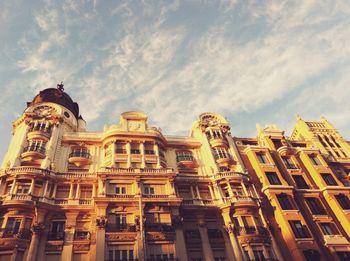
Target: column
(101,233)
(230,255)
(100,187)
(156,151)
(206,247)
(93,190)
(45,188)
(142,150)
(180,245)
(233,240)
(37,229)
(211,192)
(198,193)
(71,191)
(113,154)
(50,148)
(67,252)
(245,189)
(230,192)
(192,191)
(31,188)
(77,194)
(13,187)
(54,191)
(128,151)
(218,192)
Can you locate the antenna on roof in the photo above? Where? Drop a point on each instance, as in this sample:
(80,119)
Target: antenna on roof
(60,86)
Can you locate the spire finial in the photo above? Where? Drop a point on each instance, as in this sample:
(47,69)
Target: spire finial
(60,86)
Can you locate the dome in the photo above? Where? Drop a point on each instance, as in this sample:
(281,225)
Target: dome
(57,96)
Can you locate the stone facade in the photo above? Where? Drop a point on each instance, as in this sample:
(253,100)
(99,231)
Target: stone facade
(132,193)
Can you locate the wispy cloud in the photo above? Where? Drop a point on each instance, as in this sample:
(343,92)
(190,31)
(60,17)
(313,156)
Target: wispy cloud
(262,60)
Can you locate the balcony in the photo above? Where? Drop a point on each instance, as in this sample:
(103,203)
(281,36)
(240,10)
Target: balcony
(32,153)
(15,233)
(39,133)
(222,159)
(231,175)
(186,161)
(121,228)
(159,227)
(253,234)
(55,236)
(80,158)
(82,235)
(218,142)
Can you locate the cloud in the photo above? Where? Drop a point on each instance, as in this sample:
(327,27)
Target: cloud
(265,60)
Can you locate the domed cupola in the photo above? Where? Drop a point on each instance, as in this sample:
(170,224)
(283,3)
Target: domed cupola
(57,96)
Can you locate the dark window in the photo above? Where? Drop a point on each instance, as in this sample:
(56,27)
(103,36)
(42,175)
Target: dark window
(259,255)
(135,151)
(315,160)
(312,255)
(328,178)
(289,163)
(13,225)
(262,158)
(315,206)
(120,190)
(273,178)
(343,201)
(343,256)
(285,202)
(299,230)
(328,229)
(214,233)
(300,182)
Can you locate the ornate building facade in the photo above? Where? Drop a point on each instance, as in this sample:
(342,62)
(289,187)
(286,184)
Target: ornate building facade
(132,193)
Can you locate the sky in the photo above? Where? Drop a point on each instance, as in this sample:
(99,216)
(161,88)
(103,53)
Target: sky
(251,61)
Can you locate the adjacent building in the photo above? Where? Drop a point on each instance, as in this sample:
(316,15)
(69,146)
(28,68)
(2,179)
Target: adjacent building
(132,193)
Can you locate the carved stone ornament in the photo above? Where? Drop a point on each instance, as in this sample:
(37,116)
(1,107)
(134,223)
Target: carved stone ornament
(177,221)
(229,228)
(38,228)
(120,237)
(101,222)
(44,111)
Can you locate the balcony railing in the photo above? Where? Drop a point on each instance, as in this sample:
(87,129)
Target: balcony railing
(81,235)
(121,228)
(55,236)
(158,227)
(184,158)
(80,154)
(121,151)
(162,259)
(15,233)
(38,149)
(250,230)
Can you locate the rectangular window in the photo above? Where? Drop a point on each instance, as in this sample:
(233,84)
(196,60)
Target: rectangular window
(13,225)
(273,178)
(299,230)
(120,220)
(285,202)
(148,190)
(343,201)
(300,182)
(328,228)
(120,190)
(343,256)
(315,206)
(314,159)
(289,163)
(262,158)
(259,255)
(311,255)
(328,178)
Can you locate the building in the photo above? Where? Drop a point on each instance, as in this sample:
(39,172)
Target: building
(132,193)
